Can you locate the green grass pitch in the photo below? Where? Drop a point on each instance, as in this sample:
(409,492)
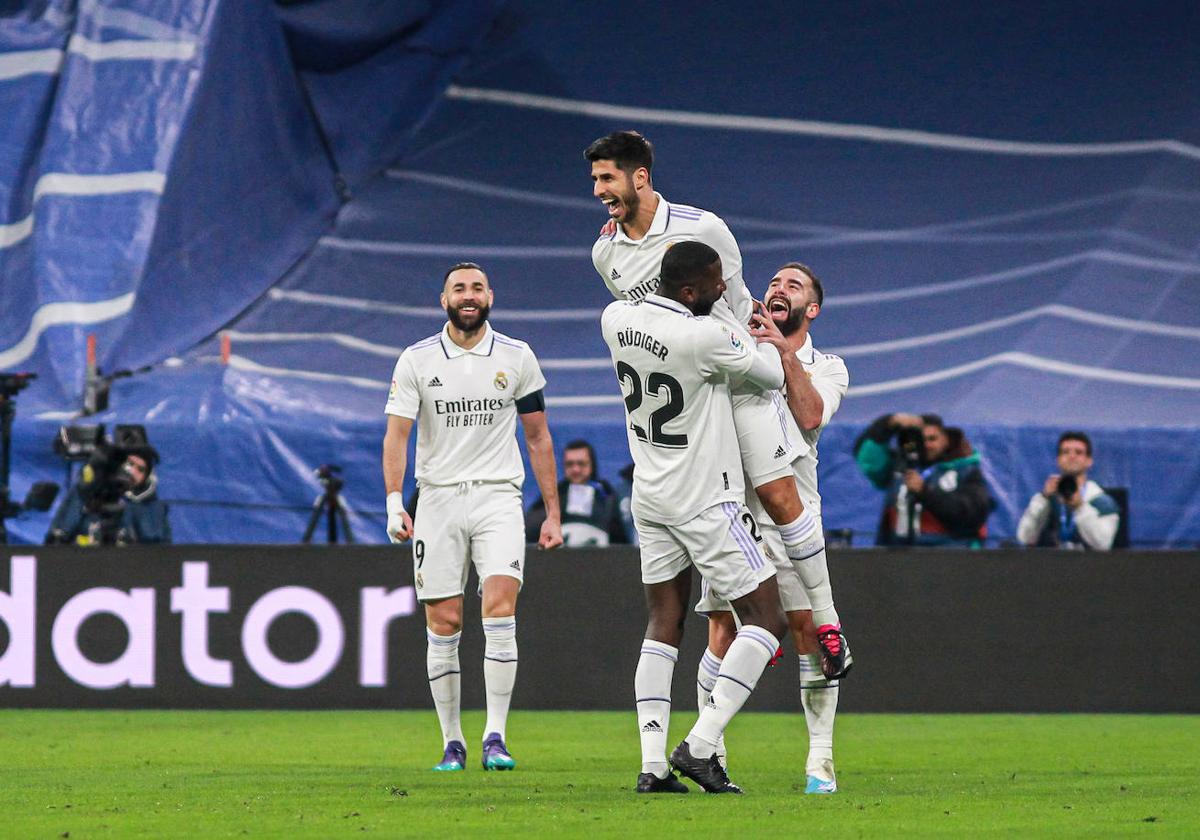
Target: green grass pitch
(346,774)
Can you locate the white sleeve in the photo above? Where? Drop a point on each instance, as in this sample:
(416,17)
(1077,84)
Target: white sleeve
(531,375)
(1033,520)
(715,234)
(722,356)
(831,381)
(404,397)
(1096,529)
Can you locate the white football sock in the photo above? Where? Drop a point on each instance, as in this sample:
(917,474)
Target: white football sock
(441,663)
(706,680)
(749,654)
(652,685)
(805,546)
(499,670)
(819,697)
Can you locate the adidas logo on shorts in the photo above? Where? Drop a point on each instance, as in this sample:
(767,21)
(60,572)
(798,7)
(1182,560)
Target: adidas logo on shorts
(435,383)
(516,564)
(652,726)
(780,452)
(615,275)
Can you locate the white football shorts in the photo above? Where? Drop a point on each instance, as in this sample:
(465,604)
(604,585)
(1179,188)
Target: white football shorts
(717,542)
(479,522)
(768,438)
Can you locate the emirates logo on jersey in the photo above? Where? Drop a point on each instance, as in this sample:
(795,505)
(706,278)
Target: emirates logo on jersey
(501,381)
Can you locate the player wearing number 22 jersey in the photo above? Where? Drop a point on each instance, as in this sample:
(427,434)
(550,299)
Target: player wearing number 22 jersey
(676,368)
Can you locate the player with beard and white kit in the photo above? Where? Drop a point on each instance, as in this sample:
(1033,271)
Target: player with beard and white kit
(465,387)
(627,255)
(815,383)
(676,367)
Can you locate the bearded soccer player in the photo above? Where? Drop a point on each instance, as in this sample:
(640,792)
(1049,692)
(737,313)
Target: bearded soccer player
(465,387)
(628,254)
(815,383)
(675,366)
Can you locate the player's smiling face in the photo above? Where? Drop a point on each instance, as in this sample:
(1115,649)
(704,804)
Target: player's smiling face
(789,299)
(467,299)
(616,189)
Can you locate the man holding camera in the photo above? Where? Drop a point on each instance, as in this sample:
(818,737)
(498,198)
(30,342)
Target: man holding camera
(1071,511)
(107,506)
(937,495)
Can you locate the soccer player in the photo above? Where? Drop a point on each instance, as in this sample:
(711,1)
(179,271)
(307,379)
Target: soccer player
(676,368)
(466,386)
(643,225)
(815,383)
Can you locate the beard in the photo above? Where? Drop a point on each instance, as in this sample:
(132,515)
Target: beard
(468,323)
(790,324)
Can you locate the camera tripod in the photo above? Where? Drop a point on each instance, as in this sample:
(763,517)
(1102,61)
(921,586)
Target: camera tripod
(331,504)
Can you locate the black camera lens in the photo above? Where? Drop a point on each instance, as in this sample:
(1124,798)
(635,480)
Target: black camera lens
(1068,486)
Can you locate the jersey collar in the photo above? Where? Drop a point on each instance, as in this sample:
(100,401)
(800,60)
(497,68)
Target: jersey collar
(483,348)
(658,224)
(806,353)
(666,303)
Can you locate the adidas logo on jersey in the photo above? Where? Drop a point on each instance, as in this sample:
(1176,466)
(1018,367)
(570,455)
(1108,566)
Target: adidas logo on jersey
(780,452)
(516,564)
(435,383)
(652,726)
(615,275)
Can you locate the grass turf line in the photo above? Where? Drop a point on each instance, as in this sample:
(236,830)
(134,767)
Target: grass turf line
(334,774)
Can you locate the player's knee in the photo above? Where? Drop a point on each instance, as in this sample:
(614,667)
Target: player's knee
(444,617)
(780,499)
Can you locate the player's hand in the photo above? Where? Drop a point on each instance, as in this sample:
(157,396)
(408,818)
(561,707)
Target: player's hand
(399,523)
(765,330)
(610,227)
(551,535)
(913,481)
(1050,488)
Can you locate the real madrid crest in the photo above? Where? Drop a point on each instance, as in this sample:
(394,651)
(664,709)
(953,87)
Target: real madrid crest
(501,381)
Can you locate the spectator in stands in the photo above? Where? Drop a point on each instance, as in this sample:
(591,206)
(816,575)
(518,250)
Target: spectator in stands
(120,509)
(1071,511)
(591,512)
(936,493)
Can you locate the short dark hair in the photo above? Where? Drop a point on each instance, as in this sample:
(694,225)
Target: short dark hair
(580,443)
(933,420)
(683,264)
(1079,436)
(627,149)
(808,272)
(461,265)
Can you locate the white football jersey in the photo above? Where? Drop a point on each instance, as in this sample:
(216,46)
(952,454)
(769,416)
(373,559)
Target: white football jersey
(831,379)
(630,268)
(674,369)
(464,402)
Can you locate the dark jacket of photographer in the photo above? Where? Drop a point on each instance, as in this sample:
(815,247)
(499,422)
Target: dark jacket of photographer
(594,518)
(141,518)
(951,509)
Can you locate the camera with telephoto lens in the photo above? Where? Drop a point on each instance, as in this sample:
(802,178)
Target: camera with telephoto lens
(912,446)
(105,477)
(1068,486)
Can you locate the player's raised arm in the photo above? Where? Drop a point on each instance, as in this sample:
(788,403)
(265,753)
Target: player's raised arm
(722,355)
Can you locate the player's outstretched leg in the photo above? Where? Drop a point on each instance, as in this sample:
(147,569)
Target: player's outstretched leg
(444,684)
(819,696)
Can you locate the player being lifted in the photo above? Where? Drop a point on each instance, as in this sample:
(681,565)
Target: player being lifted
(675,369)
(466,386)
(628,255)
(815,384)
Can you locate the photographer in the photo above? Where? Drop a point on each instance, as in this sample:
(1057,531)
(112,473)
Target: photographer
(1071,511)
(115,502)
(936,493)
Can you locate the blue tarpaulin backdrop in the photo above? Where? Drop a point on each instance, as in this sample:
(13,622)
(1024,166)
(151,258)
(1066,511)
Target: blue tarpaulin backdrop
(1003,203)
